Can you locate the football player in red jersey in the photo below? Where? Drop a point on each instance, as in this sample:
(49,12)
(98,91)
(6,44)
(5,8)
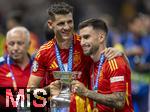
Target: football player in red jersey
(63,52)
(110,88)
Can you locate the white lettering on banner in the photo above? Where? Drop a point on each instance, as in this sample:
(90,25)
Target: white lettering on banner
(21,97)
(15,102)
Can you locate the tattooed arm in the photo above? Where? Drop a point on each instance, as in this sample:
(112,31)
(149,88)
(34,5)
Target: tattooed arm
(114,100)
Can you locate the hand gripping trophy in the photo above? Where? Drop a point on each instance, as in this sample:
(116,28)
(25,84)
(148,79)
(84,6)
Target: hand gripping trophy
(61,103)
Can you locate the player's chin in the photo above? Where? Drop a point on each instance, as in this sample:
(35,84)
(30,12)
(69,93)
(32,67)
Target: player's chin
(17,57)
(66,37)
(86,52)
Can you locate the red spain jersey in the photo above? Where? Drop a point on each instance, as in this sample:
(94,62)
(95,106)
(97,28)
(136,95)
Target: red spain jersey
(21,76)
(46,62)
(115,76)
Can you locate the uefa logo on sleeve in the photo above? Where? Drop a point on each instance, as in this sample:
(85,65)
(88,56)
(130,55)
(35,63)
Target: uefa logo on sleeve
(35,66)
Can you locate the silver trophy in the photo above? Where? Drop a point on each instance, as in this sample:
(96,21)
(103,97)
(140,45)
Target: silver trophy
(61,103)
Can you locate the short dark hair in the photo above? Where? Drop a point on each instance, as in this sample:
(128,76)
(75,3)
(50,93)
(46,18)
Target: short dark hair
(59,8)
(95,23)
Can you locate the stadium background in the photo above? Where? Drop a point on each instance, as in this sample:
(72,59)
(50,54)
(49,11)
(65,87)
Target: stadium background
(129,27)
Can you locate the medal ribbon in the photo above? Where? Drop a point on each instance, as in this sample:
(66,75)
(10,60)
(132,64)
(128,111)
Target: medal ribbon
(70,58)
(12,75)
(95,85)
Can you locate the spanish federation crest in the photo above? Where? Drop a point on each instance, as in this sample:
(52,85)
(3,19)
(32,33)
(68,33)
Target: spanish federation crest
(35,66)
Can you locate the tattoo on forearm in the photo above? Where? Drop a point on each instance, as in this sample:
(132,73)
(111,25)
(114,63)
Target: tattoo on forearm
(114,100)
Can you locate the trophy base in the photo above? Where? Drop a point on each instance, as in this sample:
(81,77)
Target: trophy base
(61,101)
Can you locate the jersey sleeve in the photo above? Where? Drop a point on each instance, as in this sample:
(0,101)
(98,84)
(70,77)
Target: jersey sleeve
(117,70)
(38,67)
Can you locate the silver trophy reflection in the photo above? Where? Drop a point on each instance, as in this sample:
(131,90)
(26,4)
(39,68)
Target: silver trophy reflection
(61,103)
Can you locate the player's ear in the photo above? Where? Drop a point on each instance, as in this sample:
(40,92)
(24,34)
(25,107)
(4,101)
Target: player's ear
(101,36)
(50,24)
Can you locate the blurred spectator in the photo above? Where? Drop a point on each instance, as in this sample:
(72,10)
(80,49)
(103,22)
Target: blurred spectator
(132,41)
(133,44)
(144,64)
(15,67)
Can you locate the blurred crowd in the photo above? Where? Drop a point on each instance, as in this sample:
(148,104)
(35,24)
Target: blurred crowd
(129,31)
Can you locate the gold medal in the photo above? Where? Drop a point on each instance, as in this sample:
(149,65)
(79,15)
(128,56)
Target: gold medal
(95,109)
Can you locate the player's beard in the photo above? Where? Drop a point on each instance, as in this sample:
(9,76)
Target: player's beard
(91,51)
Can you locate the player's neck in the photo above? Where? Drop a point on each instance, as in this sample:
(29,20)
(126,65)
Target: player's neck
(97,54)
(64,44)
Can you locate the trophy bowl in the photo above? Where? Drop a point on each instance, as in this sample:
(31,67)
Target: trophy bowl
(63,99)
